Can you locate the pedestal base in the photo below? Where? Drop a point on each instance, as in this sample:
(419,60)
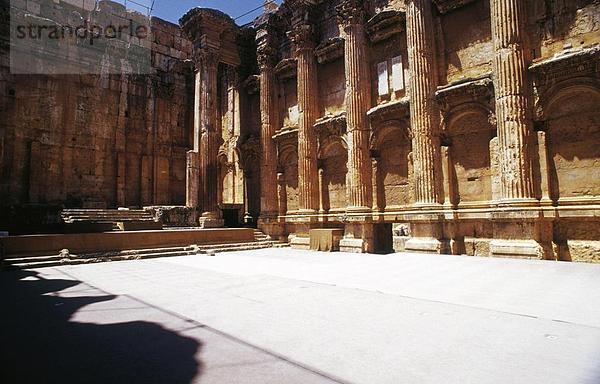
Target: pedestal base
(426,245)
(300,242)
(351,245)
(210,222)
(358,238)
(527,249)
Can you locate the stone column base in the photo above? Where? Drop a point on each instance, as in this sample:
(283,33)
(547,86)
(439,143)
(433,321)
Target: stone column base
(300,242)
(358,238)
(427,236)
(272,227)
(211,222)
(527,249)
(426,245)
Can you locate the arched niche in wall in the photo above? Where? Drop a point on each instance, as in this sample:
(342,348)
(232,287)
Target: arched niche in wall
(288,164)
(333,156)
(572,117)
(469,131)
(392,142)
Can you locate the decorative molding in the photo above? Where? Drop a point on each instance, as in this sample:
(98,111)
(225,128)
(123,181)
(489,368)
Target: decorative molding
(385,24)
(330,50)
(479,90)
(445,6)
(286,68)
(331,125)
(252,84)
(395,110)
(350,13)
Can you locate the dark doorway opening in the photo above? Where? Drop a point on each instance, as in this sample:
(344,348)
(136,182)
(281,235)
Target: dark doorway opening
(384,238)
(231,218)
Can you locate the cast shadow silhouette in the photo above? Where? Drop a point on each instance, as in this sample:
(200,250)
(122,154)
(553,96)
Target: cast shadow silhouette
(39,343)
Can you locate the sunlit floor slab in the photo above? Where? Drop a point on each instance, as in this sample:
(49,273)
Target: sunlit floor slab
(289,316)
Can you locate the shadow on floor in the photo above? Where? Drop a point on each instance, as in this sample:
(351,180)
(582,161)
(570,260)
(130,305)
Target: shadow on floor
(39,343)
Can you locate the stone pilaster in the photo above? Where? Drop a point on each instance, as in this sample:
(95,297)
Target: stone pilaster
(424,112)
(207,63)
(281,194)
(358,101)
(512,105)
(308,183)
(192,181)
(375,166)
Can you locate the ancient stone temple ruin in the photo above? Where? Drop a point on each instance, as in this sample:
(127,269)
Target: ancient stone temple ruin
(448,126)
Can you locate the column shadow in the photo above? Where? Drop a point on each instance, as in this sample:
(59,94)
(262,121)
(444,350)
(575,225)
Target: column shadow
(40,344)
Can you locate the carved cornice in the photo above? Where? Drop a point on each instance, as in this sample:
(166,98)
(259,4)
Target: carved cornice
(350,13)
(205,21)
(585,62)
(286,69)
(550,76)
(395,110)
(252,84)
(479,90)
(445,6)
(267,40)
(330,50)
(333,125)
(385,24)
(286,135)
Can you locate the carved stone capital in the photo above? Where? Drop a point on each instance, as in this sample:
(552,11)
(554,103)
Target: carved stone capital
(266,57)
(350,13)
(302,37)
(206,57)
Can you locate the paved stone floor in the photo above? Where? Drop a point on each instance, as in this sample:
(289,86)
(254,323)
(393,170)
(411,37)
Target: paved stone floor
(286,316)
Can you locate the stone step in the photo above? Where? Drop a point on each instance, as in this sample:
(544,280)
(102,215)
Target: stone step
(31,261)
(240,248)
(33,264)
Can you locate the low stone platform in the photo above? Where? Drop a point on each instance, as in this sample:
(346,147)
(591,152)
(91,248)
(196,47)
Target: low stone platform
(82,243)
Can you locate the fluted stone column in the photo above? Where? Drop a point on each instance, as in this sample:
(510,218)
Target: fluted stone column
(207,62)
(358,102)
(358,232)
(269,123)
(427,230)
(512,106)
(518,233)
(308,183)
(424,112)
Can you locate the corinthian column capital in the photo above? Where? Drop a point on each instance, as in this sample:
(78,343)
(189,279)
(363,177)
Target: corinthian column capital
(302,37)
(206,57)
(350,13)
(266,57)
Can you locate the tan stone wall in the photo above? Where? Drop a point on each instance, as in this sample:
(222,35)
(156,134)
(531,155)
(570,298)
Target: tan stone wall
(465,42)
(107,140)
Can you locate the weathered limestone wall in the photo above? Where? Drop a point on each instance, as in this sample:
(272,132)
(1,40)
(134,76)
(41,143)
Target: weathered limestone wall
(104,141)
(465,43)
